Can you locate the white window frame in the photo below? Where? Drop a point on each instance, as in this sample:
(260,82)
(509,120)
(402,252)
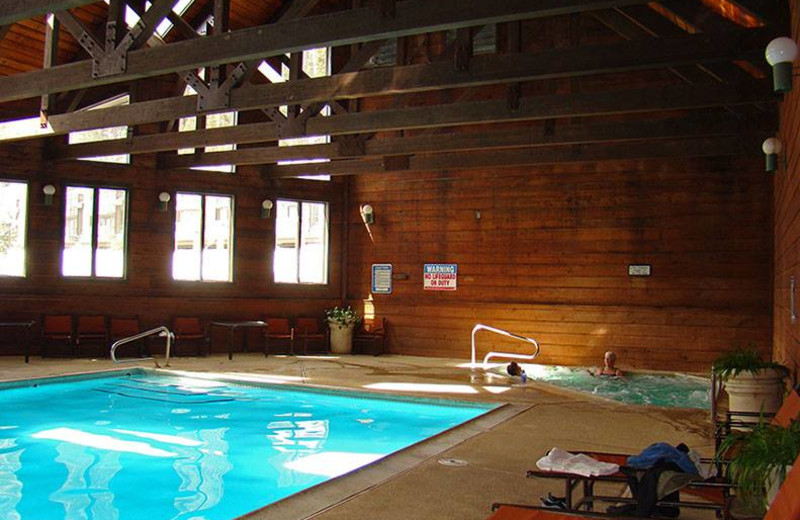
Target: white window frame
(24,228)
(96,231)
(203,216)
(326,239)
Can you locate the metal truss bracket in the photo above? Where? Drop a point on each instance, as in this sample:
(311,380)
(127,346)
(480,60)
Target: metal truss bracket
(116,61)
(218,97)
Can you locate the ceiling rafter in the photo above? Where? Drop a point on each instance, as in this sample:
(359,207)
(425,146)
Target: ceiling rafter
(704,147)
(531,108)
(625,56)
(692,126)
(339,28)
(15,10)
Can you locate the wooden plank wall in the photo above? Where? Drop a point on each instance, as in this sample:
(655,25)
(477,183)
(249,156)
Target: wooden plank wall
(149,290)
(548,258)
(787,221)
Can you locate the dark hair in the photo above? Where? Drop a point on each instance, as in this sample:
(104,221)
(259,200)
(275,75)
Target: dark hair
(513,369)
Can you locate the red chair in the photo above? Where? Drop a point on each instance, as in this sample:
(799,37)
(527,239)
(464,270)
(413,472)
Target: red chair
(370,337)
(126,327)
(92,330)
(57,330)
(190,329)
(308,330)
(278,330)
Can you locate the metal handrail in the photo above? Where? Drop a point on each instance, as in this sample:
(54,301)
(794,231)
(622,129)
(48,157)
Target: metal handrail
(481,326)
(162,332)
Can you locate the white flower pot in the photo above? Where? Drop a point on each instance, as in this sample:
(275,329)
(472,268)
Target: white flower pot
(759,392)
(341,337)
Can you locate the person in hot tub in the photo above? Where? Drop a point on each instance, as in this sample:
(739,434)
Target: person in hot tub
(609,367)
(514,370)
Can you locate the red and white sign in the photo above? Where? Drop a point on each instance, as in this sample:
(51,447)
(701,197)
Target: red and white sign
(440,277)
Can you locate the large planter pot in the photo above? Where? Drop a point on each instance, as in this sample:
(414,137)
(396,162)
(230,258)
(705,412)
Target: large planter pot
(755,392)
(341,338)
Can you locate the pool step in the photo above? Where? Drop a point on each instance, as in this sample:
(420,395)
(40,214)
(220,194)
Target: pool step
(167,393)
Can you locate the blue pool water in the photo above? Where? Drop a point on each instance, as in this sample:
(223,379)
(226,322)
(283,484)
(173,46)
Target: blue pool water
(675,390)
(157,447)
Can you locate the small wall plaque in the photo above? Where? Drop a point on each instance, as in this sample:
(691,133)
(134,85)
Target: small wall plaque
(639,270)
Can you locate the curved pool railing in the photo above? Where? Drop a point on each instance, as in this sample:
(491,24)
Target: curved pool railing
(161,331)
(509,355)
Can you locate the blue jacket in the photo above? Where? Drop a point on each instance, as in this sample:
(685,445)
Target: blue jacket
(661,450)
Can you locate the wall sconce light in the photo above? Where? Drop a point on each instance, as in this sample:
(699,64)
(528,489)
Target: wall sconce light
(772,147)
(780,53)
(266,208)
(367,214)
(49,190)
(163,201)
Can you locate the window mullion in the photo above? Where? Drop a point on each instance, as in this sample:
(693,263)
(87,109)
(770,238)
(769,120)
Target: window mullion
(299,237)
(95,228)
(202,232)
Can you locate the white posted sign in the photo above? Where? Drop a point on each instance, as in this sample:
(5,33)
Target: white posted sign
(440,277)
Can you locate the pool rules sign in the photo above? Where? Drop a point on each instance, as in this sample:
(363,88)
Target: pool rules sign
(440,277)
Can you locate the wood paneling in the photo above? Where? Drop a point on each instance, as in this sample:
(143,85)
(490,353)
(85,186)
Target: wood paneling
(787,222)
(548,258)
(149,290)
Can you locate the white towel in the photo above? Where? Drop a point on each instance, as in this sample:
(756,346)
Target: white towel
(566,462)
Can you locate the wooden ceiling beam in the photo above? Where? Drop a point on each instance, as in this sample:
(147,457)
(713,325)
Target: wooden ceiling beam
(334,29)
(480,112)
(625,56)
(706,147)
(491,140)
(15,10)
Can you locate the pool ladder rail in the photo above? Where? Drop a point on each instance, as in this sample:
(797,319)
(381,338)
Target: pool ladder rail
(162,332)
(509,355)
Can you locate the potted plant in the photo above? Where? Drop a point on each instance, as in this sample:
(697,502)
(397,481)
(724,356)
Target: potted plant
(342,321)
(759,460)
(753,385)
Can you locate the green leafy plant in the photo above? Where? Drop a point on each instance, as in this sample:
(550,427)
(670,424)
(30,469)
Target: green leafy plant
(758,459)
(740,360)
(342,317)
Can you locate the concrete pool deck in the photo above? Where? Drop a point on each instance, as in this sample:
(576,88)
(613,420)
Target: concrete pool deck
(498,449)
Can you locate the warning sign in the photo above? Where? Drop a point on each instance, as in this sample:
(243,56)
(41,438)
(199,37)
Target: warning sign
(440,277)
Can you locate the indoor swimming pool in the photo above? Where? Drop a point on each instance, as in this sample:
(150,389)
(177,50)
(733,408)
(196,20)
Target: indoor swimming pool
(141,445)
(657,389)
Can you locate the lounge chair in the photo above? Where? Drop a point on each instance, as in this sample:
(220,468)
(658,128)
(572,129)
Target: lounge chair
(786,505)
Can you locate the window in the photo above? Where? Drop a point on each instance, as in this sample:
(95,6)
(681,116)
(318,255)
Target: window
(13,218)
(203,238)
(104,134)
(95,232)
(301,242)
